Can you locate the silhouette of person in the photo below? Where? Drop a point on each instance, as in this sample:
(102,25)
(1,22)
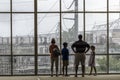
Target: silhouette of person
(80,47)
(54,58)
(65,57)
(91,62)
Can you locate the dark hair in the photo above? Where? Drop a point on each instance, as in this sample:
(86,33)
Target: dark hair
(53,40)
(93,47)
(80,36)
(65,43)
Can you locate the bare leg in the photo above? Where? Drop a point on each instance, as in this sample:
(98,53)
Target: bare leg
(76,69)
(66,70)
(63,69)
(91,70)
(83,70)
(95,70)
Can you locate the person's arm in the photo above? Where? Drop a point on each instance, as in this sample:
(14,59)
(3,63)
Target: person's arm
(68,52)
(73,46)
(58,50)
(87,48)
(50,50)
(93,57)
(57,47)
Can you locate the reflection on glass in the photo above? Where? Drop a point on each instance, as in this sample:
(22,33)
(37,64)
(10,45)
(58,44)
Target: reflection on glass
(48,5)
(114,33)
(72,25)
(23,30)
(23,5)
(48,28)
(5,65)
(5,5)
(96,31)
(44,65)
(96,5)
(23,65)
(114,5)
(72,5)
(100,63)
(114,64)
(4,34)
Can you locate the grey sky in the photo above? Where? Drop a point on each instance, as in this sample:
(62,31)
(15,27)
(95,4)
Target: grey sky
(24,24)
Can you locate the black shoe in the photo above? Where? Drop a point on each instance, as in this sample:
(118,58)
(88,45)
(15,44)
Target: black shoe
(75,75)
(51,75)
(83,76)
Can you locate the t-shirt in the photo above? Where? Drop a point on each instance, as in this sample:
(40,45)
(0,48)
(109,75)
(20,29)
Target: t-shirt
(80,46)
(51,48)
(65,54)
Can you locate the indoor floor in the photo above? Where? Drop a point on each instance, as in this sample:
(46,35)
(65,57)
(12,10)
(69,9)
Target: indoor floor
(98,77)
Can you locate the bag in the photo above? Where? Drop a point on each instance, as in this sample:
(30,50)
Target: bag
(56,52)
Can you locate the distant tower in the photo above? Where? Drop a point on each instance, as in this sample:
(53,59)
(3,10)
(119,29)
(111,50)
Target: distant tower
(119,8)
(76,20)
(74,30)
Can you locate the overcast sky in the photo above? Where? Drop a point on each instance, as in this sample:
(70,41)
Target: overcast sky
(23,24)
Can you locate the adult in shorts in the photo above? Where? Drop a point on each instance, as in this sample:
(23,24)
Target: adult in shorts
(80,48)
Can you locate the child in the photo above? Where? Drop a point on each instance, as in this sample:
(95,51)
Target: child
(92,60)
(65,58)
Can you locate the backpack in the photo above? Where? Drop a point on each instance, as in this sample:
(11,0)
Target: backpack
(56,52)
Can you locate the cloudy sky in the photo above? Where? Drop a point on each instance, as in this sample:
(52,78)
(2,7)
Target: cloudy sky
(23,24)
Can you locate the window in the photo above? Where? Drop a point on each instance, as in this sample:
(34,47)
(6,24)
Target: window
(26,33)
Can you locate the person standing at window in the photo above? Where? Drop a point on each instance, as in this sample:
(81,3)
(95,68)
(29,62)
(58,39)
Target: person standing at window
(65,58)
(53,57)
(92,60)
(80,48)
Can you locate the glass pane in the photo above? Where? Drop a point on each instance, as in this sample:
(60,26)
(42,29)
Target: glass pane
(114,5)
(5,65)
(96,31)
(4,34)
(114,64)
(48,5)
(96,5)
(48,28)
(23,31)
(44,65)
(100,63)
(5,5)
(72,5)
(23,65)
(114,33)
(23,5)
(72,25)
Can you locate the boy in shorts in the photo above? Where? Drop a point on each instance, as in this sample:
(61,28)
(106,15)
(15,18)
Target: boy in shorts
(65,58)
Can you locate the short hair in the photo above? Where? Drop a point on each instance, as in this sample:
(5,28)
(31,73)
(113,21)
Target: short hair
(93,47)
(80,36)
(65,43)
(53,40)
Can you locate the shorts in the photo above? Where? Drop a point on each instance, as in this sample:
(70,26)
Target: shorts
(65,62)
(80,57)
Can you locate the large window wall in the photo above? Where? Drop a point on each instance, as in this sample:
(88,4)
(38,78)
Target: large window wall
(27,27)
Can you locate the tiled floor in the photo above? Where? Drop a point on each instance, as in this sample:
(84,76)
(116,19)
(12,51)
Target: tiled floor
(98,77)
